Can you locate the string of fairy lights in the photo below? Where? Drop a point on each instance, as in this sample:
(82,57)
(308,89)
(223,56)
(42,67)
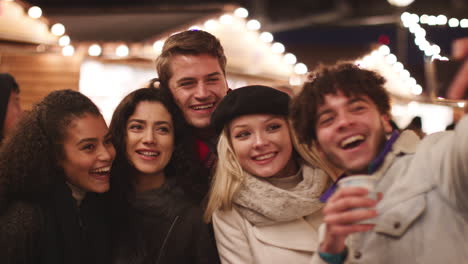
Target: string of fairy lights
(413,23)
(240,16)
(384,61)
(432,51)
(123,50)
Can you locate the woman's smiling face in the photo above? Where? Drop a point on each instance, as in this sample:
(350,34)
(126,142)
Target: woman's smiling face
(150,138)
(262,144)
(88,154)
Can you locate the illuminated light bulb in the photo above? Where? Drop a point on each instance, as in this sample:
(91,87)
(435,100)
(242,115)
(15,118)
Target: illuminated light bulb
(226,19)
(404,74)
(210,24)
(432,21)
(428,52)
(398,67)
(122,50)
(64,40)
(414,27)
(266,37)
(384,50)
(290,58)
(414,18)
(441,20)
(444,58)
(416,89)
(424,45)
(461,104)
(35,12)
(158,45)
(277,47)
(58,29)
(464,23)
(400,2)
(241,12)
(68,51)
(424,19)
(374,54)
(453,22)
(405,17)
(253,24)
(94,50)
(411,81)
(418,40)
(300,68)
(420,32)
(391,58)
(435,49)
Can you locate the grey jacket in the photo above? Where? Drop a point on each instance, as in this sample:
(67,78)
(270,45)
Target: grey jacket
(423,217)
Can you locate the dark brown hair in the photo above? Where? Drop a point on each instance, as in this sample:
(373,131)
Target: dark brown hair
(343,77)
(191,42)
(182,165)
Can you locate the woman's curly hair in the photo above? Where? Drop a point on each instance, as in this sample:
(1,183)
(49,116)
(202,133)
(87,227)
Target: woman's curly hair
(182,165)
(343,77)
(29,158)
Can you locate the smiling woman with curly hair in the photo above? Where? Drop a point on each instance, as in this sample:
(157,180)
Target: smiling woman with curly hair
(51,171)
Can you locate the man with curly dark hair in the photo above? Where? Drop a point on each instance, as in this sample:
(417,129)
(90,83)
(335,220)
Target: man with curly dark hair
(52,170)
(421,213)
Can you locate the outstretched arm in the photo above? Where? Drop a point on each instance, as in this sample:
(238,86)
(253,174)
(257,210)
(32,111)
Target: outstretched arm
(459,84)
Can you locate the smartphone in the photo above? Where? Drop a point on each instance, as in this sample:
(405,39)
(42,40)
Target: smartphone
(440,74)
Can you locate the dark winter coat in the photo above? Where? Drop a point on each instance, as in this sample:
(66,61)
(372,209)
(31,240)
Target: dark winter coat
(54,230)
(165,228)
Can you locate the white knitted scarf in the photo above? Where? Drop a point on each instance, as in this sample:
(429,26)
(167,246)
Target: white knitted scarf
(262,203)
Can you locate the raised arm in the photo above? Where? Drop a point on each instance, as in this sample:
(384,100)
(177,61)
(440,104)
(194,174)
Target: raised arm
(460,83)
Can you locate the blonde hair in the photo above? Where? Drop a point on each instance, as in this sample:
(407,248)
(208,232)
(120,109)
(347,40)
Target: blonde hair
(229,174)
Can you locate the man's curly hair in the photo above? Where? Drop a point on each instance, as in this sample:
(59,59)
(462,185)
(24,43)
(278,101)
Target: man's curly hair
(343,77)
(29,158)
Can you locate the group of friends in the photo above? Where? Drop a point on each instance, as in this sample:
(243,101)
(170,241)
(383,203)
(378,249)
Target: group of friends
(190,171)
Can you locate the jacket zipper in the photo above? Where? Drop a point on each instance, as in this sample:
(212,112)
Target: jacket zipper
(166,239)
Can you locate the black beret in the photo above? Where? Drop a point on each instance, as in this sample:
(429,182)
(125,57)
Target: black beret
(253,99)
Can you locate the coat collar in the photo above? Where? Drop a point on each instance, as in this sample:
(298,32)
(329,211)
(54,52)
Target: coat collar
(406,143)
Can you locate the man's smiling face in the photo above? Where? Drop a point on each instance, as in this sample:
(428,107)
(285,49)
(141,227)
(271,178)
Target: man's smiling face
(198,84)
(350,131)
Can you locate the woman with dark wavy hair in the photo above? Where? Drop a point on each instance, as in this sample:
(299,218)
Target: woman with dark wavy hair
(53,168)
(154,221)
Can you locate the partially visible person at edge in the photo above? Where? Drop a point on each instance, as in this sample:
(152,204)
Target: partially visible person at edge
(265,198)
(192,69)
(53,169)
(423,215)
(459,85)
(10,108)
(153,221)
